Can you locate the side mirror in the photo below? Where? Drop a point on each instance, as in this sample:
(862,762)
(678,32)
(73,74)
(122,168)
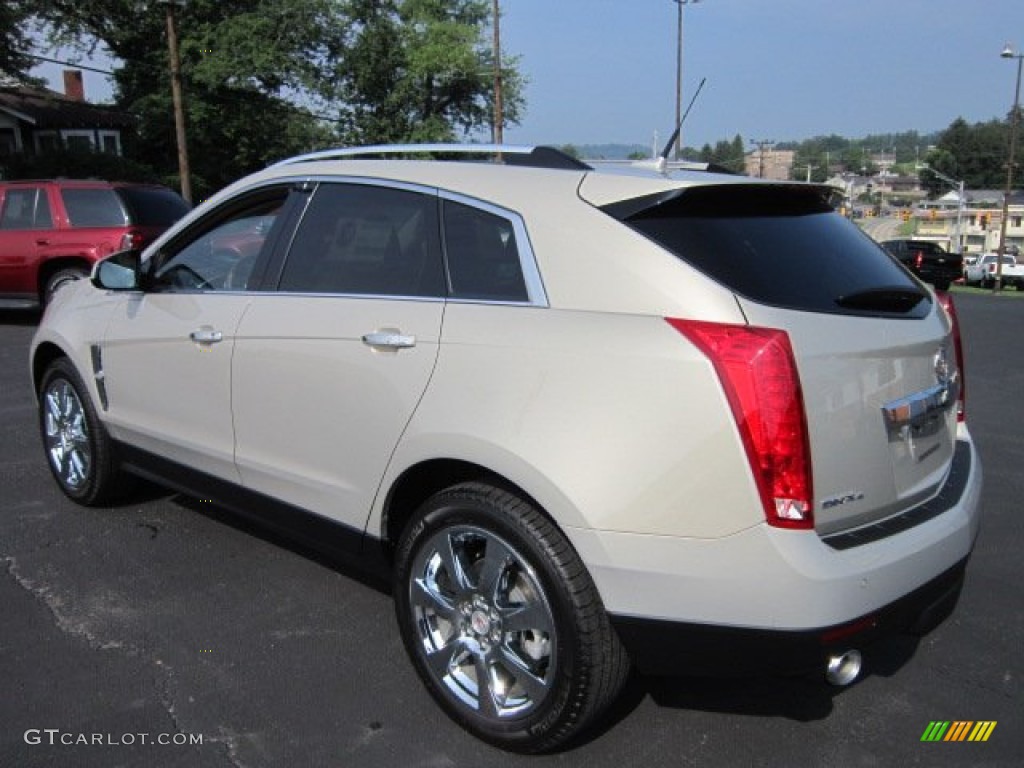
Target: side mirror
(119,272)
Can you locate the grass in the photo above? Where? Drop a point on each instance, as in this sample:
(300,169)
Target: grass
(972,289)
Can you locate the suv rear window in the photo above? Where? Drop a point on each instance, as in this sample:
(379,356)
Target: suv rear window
(94,208)
(153,206)
(778,245)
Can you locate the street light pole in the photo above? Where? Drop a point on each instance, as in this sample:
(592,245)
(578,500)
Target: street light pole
(1008,53)
(679,71)
(176,95)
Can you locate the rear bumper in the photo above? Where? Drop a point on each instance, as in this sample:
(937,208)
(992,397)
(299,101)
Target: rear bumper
(674,648)
(769,599)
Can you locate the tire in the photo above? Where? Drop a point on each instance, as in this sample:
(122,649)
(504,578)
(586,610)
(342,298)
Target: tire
(488,588)
(79,452)
(59,279)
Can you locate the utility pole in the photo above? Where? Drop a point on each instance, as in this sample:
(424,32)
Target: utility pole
(499,107)
(679,72)
(176,96)
(809,169)
(761,144)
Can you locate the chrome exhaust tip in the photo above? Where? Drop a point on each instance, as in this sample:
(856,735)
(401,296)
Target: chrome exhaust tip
(843,668)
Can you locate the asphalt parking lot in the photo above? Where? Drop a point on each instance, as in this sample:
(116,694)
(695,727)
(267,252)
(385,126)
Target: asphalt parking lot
(167,633)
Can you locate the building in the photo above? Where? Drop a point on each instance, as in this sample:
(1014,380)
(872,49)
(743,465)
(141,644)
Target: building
(37,120)
(770,163)
(980,220)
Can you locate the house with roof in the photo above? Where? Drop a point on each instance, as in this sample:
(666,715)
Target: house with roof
(36,120)
(975,226)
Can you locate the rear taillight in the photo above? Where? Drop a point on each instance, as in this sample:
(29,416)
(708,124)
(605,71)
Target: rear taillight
(758,372)
(946,300)
(918,260)
(131,240)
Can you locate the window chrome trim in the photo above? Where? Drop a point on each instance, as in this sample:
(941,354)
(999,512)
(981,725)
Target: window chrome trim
(537,295)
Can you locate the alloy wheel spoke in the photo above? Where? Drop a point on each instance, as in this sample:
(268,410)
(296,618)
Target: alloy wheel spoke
(449,553)
(424,596)
(519,618)
(533,686)
(441,660)
(53,414)
(76,468)
(487,704)
(496,560)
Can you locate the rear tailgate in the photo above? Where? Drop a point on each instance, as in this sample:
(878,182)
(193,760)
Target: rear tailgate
(873,348)
(880,397)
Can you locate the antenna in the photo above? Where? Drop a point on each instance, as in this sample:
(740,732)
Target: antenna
(663,157)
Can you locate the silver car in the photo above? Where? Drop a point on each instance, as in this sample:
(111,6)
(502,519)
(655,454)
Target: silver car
(584,422)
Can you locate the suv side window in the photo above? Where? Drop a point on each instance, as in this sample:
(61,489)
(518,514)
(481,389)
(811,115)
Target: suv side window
(26,208)
(483,257)
(221,254)
(94,208)
(366,239)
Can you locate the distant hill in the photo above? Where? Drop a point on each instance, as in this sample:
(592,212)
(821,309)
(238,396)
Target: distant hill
(611,151)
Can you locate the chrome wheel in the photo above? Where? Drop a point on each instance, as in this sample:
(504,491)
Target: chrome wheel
(66,434)
(483,623)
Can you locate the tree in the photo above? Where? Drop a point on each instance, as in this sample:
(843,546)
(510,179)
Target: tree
(14,44)
(242,63)
(941,160)
(978,152)
(417,70)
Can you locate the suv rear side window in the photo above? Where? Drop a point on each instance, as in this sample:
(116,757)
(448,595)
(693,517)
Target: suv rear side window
(483,257)
(153,206)
(94,208)
(783,246)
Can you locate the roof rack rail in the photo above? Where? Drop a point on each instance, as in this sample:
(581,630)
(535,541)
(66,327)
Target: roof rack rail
(508,154)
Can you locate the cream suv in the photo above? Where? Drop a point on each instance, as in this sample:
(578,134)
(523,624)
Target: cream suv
(584,421)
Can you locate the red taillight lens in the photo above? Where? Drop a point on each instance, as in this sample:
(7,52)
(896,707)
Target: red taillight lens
(946,300)
(919,260)
(758,373)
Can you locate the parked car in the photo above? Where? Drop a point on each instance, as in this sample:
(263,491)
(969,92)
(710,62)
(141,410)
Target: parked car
(581,421)
(929,261)
(983,271)
(53,231)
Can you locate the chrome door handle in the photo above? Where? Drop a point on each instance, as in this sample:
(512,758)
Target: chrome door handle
(206,336)
(389,340)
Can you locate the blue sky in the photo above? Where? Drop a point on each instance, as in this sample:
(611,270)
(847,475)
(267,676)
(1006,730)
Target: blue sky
(604,70)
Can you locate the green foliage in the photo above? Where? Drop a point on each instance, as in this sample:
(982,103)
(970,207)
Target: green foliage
(975,153)
(76,164)
(15,43)
(417,70)
(383,70)
(728,154)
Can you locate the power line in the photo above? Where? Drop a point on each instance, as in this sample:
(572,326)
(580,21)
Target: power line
(66,63)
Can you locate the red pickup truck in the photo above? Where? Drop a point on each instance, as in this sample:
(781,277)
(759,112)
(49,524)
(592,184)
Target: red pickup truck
(53,231)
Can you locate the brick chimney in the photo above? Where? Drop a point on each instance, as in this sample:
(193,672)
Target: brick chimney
(74,89)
